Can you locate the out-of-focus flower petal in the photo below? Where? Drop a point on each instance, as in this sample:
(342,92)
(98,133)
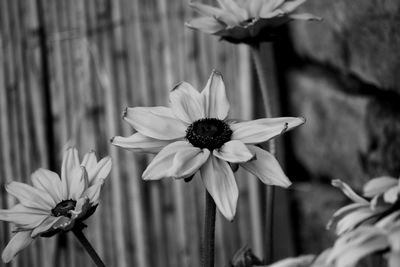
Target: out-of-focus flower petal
(301,261)
(70,170)
(186,103)
(270,6)
(379,185)
(140,143)
(342,212)
(220,183)
(215,99)
(49,182)
(261,130)
(214,12)
(155,122)
(266,168)
(290,6)
(346,189)
(234,151)
(30,196)
(391,195)
(234,8)
(19,241)
(304,16)
(353,220)
(205,24)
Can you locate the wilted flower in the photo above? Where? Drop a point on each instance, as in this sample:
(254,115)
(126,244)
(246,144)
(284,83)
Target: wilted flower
(247,21)
(195,134)
(52,204)
(380,203)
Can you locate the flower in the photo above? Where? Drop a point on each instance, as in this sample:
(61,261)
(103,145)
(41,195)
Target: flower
(379,204)
(195,134)
(247,21)
(52,204)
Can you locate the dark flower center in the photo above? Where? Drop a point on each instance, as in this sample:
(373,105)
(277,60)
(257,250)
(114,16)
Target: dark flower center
(63,208)
(208,133)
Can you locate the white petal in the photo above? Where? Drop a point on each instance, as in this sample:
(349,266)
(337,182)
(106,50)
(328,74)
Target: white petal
(352,220)
(19,241)
(186,103)
(23,216)
(162,164)
(271,14)
(270,6)
(346,189)
(219,181)
(391,195)
(188,161)
(30,196)
(45,226)
(100,171)
(155,122)
(78,184)
(379,185)
(93,192)
(206,24)
(254,7)
(82,207)
(266,168)
(290,6)
(234,8)
(49,182)
(234,151)
(215,99)
(70,171)
(304,16)
(206,10)
(261,130)
(89,160)
(140,143)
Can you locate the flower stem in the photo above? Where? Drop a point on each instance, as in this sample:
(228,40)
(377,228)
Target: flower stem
(261,70)
(86,244)
(209,233)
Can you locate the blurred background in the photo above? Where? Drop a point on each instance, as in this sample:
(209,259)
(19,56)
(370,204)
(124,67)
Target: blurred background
(68,68)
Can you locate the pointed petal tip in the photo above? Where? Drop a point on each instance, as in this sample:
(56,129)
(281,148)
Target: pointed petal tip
(216,72)
(124,112)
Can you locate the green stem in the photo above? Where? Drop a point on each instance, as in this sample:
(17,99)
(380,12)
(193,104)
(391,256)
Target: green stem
(86,244)
(261,69)
(209,233)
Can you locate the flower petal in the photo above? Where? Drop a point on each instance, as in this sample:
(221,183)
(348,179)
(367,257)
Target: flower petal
(89,160)
(261,130)
(215,99)
(49,182)
(186,103)
(70,171)
(162,166)
(206,24)
(290,6)
(266,168)
(304,16)
(100,171)
(346,189)
(45,225)
(271,5)
(155,122)
(254,7)
(30,196)
(188,161)
(379,185)
(19,241)
(23,216)
(140,143)
(78,184)
(93,192)
(233,7)
(234,151)
(219,181)
(391,195)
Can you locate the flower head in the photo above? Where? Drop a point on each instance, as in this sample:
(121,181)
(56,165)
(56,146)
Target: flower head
(196,135)
(247,21)
(52,204)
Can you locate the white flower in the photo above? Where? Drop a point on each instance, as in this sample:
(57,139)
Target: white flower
(247,21)
(52,204)
(195,134)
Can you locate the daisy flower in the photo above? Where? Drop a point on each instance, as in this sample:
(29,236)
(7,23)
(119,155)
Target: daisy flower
(195,134)
(51,204)
(247,21)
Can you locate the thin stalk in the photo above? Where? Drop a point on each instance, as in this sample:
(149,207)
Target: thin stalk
(86,244)
(209,233)
(261,70)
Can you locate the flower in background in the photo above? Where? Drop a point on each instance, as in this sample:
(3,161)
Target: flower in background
(380,203)
(247,21)
(195,134)
(52,204)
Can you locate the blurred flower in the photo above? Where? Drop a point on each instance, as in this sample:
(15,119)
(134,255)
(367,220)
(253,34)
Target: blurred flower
(247,21)
(380,203)
(52,204)
(195,134)
(382,238)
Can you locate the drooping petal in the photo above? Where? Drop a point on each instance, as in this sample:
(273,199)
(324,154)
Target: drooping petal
(266,168)
(78,184)
(155,122)
(219,181)
(234,151)
(379,185)
(188,161)
(206,24)
(49,182)
(215,99)
(186,103)
(346,189)
(140,143)
(30,196)
(19,241)
(100,171)
(162,166)
(93,192)
(45,225)
(261,130)
(23,216)
(89,160)
(70,171)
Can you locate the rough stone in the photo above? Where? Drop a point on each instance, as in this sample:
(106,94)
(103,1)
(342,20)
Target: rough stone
(333,142)
(360,37)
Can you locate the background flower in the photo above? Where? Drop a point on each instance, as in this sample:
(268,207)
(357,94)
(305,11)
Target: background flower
(52,204)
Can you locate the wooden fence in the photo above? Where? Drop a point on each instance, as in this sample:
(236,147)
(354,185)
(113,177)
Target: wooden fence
(67,70)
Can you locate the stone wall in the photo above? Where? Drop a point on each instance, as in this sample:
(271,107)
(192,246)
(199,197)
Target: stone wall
(345,80)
